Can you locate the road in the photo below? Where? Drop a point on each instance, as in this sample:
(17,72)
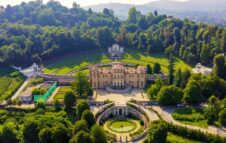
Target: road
(20,89)
(165,113)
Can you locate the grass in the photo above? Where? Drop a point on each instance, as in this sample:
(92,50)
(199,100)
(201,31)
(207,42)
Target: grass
(59,96)
(136,57)
(66,64)
(121,125)
(172,138)
(10,81)
(61,92)
(190,115)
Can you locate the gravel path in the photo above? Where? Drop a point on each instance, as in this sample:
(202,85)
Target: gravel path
(165,113)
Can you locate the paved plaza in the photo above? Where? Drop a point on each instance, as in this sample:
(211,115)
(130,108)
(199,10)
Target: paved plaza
(121,98)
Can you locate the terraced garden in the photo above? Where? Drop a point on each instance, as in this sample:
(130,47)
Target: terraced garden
(9,83)
(190,115)
(136,57)
(66,64)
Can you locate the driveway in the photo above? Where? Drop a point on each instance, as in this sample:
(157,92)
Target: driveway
(165,113)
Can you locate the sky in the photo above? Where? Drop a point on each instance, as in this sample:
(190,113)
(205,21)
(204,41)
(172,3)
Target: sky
(82,3)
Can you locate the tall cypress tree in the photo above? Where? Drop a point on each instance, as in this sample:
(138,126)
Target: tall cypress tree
(171,70)
(178,78)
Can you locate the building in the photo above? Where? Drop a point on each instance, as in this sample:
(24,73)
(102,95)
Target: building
(30,71)
(117,76)
(199,68)
(26,96)
(115,52)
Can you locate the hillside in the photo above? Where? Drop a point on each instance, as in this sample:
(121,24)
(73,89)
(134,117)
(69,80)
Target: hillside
(212,12)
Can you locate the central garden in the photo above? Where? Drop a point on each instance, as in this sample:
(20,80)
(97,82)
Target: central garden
(122,125)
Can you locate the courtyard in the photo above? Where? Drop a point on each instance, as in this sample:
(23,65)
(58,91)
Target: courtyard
(120,98)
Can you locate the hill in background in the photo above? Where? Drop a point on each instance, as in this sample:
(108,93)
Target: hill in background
(211,11)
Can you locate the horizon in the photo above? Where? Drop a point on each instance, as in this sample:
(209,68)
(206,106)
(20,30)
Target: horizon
(84,3)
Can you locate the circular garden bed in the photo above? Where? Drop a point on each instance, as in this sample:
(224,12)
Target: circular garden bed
(123,125)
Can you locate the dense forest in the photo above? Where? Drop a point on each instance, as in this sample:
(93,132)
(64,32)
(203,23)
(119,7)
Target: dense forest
(35,32)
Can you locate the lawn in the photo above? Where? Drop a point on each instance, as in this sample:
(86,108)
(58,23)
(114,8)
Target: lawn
(59,96)
(172,138)
(66,64)
(10,81)
(61,92)
(136,57)
(190,115)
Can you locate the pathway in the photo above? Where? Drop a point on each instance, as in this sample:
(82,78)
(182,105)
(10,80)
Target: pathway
(165,113)
(51,98)
(20,89)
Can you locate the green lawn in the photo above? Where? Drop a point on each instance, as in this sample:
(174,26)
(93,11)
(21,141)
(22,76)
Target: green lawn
(190,115)
(65,89)
(59,96)
(68,63)
(71,62)
(172,138)
(136,57)
(61,92)
(121,125)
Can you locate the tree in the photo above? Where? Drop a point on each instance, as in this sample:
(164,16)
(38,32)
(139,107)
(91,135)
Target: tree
(104,37)
(40,105)
(157,132)
(30,131)
(185,76)
(142,22)
(219,66)
(60,134)
(213,109)
(89,118)
(45,135)
(57,105)
(192,92)
(98,134)
(154,89)
(9,133)
(171,70)
(222,117)
(81,107)
(177,35)
(156,13)
(156,68)
(81,85)
(80,125)
(132,15)
(69,100)
(223,42)
(149,69)
(82,137)
(170,95)
(46,17)
(178,78)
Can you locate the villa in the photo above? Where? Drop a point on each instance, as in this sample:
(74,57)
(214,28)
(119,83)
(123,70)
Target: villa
(117,76)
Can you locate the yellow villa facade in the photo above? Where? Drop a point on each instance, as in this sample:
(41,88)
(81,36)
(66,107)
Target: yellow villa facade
(118,76)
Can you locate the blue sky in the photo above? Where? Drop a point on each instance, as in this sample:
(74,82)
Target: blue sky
(68,3)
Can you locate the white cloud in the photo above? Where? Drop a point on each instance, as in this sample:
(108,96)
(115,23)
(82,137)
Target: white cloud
(68,3)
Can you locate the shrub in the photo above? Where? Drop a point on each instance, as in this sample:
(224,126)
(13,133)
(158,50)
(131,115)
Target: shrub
(222,117)
(170,95)
(157,132)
